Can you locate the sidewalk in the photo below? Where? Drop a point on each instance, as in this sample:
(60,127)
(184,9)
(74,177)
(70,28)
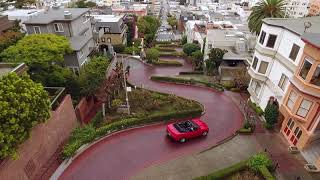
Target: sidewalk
(290,166)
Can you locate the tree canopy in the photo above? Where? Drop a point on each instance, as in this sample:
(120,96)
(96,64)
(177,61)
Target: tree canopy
(21,3)
(172,21)
(152,55)
(271,112)
(189,48)
(265,9)
(23,104)
(147,27)
(215,59)
(197,58)
(43,49)
(9,38)
(85,4)
(92,75)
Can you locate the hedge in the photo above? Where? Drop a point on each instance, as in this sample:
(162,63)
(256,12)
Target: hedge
(171,54)
(264,171)
(169,45)
(165,49)
(256,108)
(245,131)
(167,63)
(186,81)
(71,148)
(190,72)
(222,173)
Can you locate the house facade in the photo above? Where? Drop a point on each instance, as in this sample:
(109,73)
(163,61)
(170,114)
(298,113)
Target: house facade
(301,103)
(114,30)
(277,54)
(73,23)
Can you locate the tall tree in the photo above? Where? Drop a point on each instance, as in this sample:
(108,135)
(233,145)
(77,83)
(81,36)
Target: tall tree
(147,27)
(265,9)
(215,59)
(23,104)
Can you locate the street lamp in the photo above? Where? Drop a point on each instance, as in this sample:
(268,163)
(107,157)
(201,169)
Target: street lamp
(125,85)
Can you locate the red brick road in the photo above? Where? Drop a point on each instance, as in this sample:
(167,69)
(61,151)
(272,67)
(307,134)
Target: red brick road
(124,154)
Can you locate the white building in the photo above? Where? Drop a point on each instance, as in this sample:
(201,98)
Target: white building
(22,14)
(277,54)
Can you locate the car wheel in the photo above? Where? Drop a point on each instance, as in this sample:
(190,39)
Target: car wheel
(205,133)
(183,140)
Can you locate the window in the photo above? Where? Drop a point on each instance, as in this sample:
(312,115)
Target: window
(36,30)
(283,81)
(294,52)
(263,67)
(304,108)
(292,99)
(305,69)
(255,62)
(272,40)
(262,37)
(103,39)
(58,27)
(316,77)
(106,29)
(109,40)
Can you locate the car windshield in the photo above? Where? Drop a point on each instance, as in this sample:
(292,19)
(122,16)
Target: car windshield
(186,126)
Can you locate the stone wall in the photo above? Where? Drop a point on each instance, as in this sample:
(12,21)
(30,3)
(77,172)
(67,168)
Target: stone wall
(85,106)
(45,139)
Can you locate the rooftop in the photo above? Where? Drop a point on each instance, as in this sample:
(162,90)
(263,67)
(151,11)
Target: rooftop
(296,25)
(57,15)
(22,12)
(312,38)
(107,18)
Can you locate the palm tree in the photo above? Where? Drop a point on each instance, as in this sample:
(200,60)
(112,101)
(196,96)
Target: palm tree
(265,9)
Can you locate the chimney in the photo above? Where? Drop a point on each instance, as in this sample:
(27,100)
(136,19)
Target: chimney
(67,15)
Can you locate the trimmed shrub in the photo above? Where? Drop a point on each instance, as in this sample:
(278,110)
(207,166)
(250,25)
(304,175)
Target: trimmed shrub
(171,54)
(186,81)
(256,108)
(129,50)
(245,131)
(97,120)
(167,63)
(118,48)
(222,173)
(168,45)
(229,85)
(190,72)
(259,160)
(264,171)
(166,49)
(271,113)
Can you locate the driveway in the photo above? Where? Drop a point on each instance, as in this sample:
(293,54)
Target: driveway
(123,155)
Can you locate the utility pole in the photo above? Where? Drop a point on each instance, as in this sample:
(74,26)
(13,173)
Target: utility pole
(125,85)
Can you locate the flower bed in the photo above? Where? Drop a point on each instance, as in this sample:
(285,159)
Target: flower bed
(146,107)
(167,63)
(186,81)
(258,163)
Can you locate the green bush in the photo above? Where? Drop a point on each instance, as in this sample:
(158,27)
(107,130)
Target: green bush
(167,63)
(264,171)
(119,48)
(129,50)
(189,48)
(229,85)
(97,120)
(259,160)
(171,54)
(165,49)
(271,113)
(245,130)
(168,45)
(186,81)
(116,103)
(190,72)
(222,173)
(256,108)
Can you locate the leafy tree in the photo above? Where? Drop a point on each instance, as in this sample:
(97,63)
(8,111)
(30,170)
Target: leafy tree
(271,112)
(131,24)
(23,104)
(172,21)
(152,55)
(9,38)
(21,3)
(215,59)
(92,75)
(85,4)
(197,58)
(265,9)
(189,48)
(118,48)
(184,40)
(147,27)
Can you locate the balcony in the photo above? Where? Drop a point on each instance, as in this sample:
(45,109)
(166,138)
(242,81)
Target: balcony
(305,87)
(257,76)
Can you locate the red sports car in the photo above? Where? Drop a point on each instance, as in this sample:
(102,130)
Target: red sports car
(182,131)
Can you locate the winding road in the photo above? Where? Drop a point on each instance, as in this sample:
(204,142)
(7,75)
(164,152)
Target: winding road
(124,154)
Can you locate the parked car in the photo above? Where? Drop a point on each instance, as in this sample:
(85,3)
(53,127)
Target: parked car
(182,131)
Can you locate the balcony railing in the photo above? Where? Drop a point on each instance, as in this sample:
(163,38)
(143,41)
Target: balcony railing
(56,95)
